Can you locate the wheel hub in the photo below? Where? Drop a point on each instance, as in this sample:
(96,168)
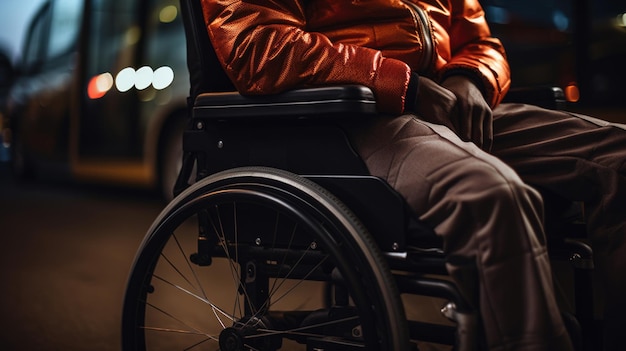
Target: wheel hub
(237,337)
(231,339)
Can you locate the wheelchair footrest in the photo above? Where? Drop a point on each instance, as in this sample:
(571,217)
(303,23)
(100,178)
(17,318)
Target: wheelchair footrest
(433,287)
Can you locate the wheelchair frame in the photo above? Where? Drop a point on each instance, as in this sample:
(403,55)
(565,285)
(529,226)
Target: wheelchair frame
(266,152)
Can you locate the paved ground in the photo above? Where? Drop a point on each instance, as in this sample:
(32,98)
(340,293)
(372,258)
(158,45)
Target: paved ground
(65,251)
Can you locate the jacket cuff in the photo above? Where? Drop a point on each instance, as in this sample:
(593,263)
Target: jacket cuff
(410,101)
(390,86)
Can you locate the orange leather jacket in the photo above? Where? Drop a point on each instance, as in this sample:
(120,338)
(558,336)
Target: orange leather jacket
(267,46)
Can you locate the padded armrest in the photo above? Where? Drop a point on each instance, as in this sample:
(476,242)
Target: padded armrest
(301,103)
(545,96)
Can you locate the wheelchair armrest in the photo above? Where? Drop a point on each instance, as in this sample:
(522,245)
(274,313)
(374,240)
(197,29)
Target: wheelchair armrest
(544,96)
(316,102)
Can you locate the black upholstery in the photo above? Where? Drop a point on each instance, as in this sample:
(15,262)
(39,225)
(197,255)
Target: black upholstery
(205,71)
(323,102)
(299,131)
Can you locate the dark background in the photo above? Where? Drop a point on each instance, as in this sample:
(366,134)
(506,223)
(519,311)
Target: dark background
(66,248)
(65,252)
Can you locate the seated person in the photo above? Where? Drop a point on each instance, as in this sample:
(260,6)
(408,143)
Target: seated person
(466,164)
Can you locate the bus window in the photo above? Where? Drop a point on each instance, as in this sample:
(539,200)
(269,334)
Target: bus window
(53,34)
(64,27)
(135,67)
(33,54)
(165,55)
(108,126)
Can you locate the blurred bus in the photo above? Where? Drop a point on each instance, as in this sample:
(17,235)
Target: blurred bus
(102,84)
(101,95)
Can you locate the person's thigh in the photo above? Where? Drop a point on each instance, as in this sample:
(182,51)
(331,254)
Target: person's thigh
(489,219)
(434,170)
(581,159)
(577,157)
(558,150)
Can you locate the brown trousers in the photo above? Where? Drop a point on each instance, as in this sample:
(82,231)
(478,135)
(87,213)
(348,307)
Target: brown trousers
(490,216)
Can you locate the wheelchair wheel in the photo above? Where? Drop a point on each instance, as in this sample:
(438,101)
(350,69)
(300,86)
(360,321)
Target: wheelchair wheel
(242,260)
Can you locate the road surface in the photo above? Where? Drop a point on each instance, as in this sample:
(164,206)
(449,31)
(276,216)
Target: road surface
(65,253)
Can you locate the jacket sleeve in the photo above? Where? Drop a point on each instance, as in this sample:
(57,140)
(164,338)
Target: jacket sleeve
(474,50)
(264,48)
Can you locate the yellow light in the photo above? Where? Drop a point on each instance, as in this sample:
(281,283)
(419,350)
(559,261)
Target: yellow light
(132,35)
(168,14)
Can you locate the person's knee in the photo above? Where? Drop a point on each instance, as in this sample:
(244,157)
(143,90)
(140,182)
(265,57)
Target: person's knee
(493,206)
(488,187)
(513,192)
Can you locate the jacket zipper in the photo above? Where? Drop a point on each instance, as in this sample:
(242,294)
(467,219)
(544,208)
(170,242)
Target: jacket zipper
(425,33)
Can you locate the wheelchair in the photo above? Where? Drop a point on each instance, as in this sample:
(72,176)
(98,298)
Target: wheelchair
(283,241)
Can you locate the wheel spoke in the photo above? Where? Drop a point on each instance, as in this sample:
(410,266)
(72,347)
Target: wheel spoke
(291,237)
(189,265)
(301,330)
(300,281)
(179,331)
(191,330)
(214,307)
(263,286)
(234,271)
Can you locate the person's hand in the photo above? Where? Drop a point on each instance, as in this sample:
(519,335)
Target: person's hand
(459,105)
(474,115)
(436,104)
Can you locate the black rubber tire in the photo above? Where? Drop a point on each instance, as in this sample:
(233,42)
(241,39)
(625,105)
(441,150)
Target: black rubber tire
(320,226)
